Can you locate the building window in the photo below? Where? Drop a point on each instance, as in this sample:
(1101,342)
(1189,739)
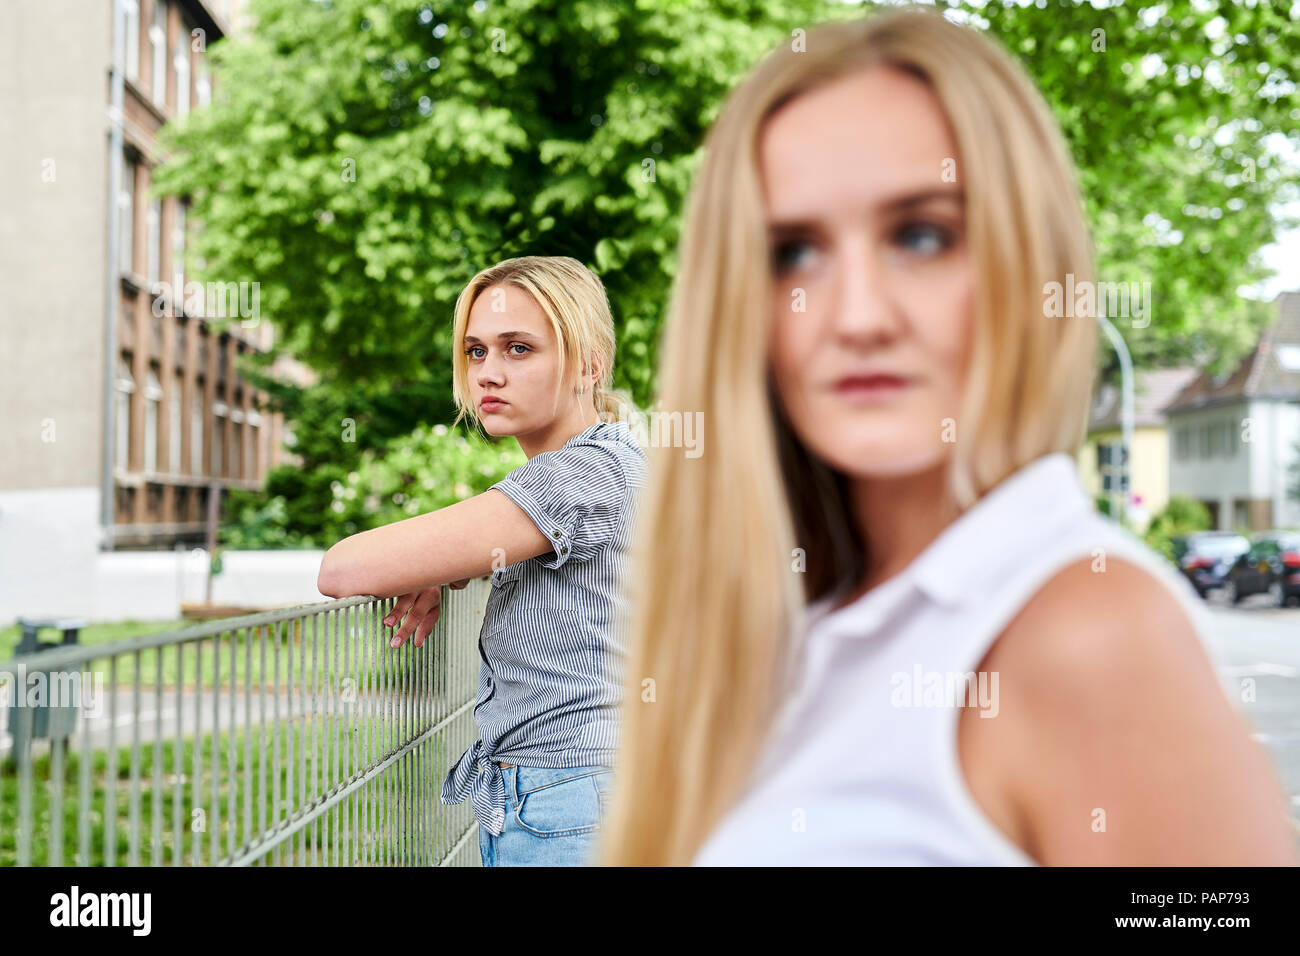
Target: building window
(123,505)
(196,430)
(154,253)
(174,424)
(181,63)
(254,438)
(203,82)
(153,394)
(218,432)
(131,28)
(125,386)
(236,447)
(178,259)
(126,218)
(158,46)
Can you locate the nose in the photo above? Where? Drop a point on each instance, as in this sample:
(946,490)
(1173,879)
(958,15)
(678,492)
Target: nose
(490,372)
(864,311)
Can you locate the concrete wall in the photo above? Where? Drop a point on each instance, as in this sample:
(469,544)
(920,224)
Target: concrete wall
(1274,477)
(51,564)
(53,240)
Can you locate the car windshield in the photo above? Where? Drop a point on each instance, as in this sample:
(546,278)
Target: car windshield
(1219,547)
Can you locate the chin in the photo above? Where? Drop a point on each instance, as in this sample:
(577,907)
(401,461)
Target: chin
(881,449)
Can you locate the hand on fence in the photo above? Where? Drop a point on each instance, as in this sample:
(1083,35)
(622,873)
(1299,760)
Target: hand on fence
(420,609)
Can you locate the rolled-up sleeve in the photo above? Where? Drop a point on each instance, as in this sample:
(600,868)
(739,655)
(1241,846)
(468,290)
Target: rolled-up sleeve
(574,495)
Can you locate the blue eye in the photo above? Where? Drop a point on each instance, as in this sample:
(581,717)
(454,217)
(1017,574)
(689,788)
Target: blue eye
(925,238)
(786,254)
(472,349)
(520,345)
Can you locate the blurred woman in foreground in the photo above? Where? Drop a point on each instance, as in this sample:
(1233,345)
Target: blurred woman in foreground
(879,620)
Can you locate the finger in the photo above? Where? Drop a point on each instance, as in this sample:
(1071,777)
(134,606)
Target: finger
(423,601)
(427,625)
(457,585)
(403,604)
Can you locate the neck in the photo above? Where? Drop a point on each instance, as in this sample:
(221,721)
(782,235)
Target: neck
(898,517)
(559,431)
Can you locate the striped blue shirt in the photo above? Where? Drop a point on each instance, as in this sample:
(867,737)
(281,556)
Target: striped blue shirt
(553,640)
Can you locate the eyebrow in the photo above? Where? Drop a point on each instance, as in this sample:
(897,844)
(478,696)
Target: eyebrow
(896,204)
(506,335)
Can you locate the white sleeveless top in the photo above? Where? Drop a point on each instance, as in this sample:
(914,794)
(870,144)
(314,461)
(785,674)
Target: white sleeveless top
(862,766)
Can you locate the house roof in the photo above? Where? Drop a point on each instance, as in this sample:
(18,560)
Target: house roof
(1153,389)
(1270,370)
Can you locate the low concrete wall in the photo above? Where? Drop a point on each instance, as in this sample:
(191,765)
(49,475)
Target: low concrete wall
(51,564)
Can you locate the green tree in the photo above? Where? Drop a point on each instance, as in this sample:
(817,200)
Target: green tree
(362,159)
(1168,110)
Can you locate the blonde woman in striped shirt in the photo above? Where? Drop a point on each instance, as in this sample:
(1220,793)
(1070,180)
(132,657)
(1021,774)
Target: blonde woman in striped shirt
(533,350)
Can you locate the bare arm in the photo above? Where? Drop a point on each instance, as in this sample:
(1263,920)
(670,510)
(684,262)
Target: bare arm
(1127,750)
(450,544)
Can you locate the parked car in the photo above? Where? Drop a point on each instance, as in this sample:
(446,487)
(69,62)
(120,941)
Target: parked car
(1271,566)
(1205,557)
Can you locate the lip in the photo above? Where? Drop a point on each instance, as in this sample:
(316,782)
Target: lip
(872,386)
(491,403)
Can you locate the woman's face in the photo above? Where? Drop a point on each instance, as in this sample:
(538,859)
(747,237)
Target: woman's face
(871,277)
(512,355)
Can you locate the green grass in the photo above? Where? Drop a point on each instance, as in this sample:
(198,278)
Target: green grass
(185,819)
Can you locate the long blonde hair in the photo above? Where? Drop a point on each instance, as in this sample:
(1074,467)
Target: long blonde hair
(714,602)
(574,300)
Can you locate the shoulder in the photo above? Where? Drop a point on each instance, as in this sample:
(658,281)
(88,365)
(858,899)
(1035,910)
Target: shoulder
(612,447)
(578,461)
(597,461)
(1125,742)
(1098,614)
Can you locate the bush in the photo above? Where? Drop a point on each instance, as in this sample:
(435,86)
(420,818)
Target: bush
(431,468)
(1181,516)
(424,471)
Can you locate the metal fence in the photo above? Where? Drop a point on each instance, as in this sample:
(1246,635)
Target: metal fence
(295,737)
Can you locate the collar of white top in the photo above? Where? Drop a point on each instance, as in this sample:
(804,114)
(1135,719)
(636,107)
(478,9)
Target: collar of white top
(959,565)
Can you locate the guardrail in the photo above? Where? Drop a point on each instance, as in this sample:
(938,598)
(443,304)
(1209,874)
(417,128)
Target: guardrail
(292,737)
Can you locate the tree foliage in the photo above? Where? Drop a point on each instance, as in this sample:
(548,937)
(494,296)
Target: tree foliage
(362,159)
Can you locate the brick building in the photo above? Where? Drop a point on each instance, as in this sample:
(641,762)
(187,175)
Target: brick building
(122,412)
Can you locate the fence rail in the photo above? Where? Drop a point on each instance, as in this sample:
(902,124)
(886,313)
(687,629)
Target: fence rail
(293,737)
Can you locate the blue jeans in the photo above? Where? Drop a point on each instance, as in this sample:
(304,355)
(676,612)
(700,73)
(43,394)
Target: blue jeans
(553,816)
